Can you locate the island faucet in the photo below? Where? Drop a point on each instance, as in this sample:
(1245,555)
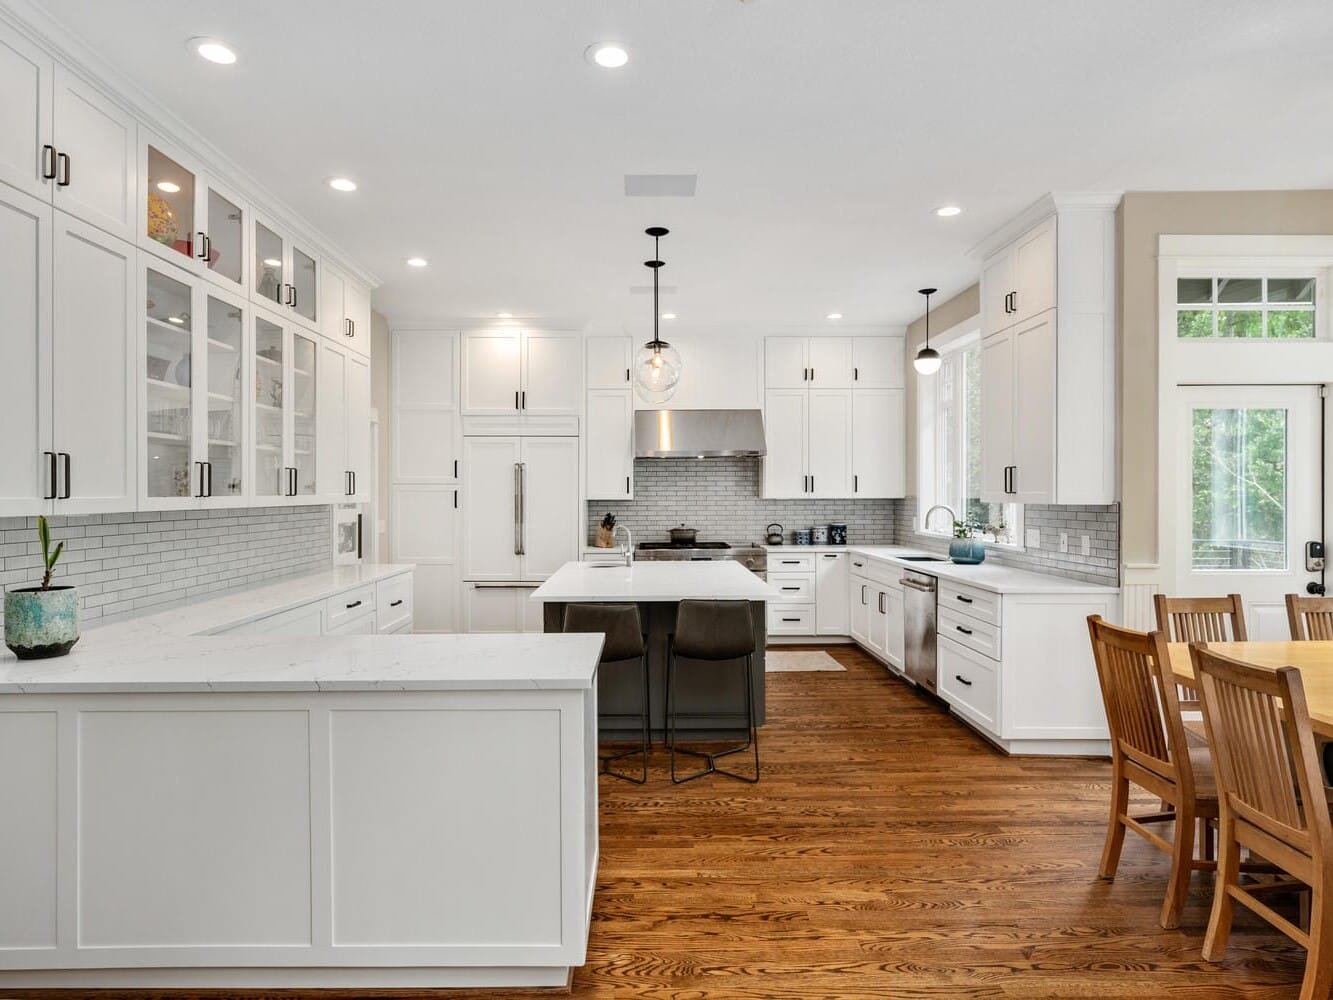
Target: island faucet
(925,521)
(628,548)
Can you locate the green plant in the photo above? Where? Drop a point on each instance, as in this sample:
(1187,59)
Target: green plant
(961,530)
(49,558)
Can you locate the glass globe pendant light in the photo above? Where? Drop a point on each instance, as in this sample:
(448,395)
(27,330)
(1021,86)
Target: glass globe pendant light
(657,365)
(927,360)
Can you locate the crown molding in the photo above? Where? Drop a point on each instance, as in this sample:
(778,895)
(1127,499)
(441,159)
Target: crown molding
(1044,207)
(34,23)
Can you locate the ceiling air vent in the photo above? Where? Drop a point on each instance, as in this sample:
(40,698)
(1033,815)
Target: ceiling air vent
(660,185)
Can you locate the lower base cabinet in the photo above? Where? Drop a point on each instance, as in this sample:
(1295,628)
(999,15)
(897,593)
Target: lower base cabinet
(379,608)
(492,607)
(876,612)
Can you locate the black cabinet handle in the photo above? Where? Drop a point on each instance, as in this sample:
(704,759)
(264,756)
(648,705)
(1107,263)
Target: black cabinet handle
(627,486)
(48,164)
(791,619)
(516,399)
(293,296)
(791,588)
(202,253)
(965,600)
(353,482)
(455,468)
(455,499)
(962,680)
(626,374)
(881,603)
(830,555)
(855,484)
(209,467)
(858,565)
(354,604)
(394,604)
(812,484)
(208,247)
(791,562)
(523,397)
(51,455)
(64,495)
(63,160)
(201,479)
(812,374)
(856,374)
(965,631)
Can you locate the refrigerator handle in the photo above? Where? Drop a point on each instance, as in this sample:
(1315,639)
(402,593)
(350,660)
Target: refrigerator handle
(522,508)
(518,510)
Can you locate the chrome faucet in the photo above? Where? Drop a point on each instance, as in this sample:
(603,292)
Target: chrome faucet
(925,521)
(628,548)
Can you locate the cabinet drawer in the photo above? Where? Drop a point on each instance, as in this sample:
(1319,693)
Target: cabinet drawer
(970,601)
(393,603)
(793,620)
(797,588)
(981,636)
(968,682)
(348,605)
(788,562)
(885,573)
(364,625)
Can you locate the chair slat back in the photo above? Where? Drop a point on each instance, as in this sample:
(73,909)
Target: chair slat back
(1310,617)
(1259,729)
(1142,710)
(1201,619)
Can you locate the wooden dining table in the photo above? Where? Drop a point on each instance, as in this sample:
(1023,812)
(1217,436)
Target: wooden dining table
(1313,659)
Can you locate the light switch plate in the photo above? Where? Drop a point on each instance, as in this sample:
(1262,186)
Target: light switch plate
(1087,545)
(1033,538)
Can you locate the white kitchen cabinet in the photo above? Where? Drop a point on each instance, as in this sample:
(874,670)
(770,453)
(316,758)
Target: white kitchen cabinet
(878,628)
(609,362)
(894,632)
(1048,379)
(286,422)
(95,394)
(877,362)
(807,362)
(830,362)
(828,448)
(27,475)
(96,157)
(393,605)
(529,373)
(27,153)
(832,609)
(859,598)
(344,427)
(610,444)
(492,607)
(521,507)
(879,464)
(285,272)
(425,442)
(344,309)
(424,524)
(785,471)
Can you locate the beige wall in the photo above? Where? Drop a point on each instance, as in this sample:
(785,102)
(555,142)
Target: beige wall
(381,347)
(962,306)
(1143,217)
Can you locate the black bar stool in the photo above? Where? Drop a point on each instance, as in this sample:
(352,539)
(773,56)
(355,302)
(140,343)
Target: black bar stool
(712,631)
(624,642)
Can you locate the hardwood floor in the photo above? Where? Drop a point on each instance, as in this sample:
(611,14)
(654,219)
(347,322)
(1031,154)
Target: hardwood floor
(890,853)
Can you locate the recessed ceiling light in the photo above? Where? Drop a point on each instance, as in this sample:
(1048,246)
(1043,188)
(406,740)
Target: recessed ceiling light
(668,315)
(834,316)
(214,50)
(504,315)
(272,262)
(417,262)
(608,55)
(342,184)
(948,211)
(170,187)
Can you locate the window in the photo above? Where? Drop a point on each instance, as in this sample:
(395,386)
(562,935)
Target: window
(1274,307)
(949,451)
(1239,466)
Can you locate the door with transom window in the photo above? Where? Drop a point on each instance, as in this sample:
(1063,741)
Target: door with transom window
(1248,496)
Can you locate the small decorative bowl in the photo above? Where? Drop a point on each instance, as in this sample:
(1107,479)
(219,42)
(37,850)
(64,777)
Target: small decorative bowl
(967,551)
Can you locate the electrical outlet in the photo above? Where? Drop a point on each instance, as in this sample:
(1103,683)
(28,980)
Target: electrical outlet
(1033,538)
(1064,541)
(1087,545)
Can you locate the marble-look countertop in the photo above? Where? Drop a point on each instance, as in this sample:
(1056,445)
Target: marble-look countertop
(987,575)
(646,580)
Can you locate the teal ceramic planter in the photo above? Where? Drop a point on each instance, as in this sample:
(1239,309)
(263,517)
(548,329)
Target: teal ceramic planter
(967,551)
(41,623)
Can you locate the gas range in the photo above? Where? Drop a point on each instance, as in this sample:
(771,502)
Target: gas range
(752,556)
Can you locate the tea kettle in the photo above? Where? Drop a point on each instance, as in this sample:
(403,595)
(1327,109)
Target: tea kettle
(774,534)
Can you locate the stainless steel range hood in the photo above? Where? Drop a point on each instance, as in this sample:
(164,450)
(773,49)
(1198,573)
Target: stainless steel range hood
(698,433)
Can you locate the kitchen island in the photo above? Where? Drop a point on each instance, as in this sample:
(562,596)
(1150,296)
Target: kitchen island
(386,811)
(658,588)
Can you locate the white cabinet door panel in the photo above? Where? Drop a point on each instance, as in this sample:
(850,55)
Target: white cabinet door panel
(424,524)
(552,366)
(877,362)
(610,444)
(332,467)
(99,164)
(25,353)
(356,406)
(25,116)
(829,447)
(998,278)
(997,415)
(93,364)
(491,373)
(550,505)
(356,306)
(830,362)
(494,609)
(786,363)
(879,621)
(893,627)
(879,441)
(423,369)
(435,598)
(1035,269)
(610,362)
(832,610)
(860,594)
(424,435)
(784,439)
(490,499)
(1033,479)
(332,300)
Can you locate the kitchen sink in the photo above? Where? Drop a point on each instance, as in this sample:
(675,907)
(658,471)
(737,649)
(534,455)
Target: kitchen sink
(924,558)
(605,565)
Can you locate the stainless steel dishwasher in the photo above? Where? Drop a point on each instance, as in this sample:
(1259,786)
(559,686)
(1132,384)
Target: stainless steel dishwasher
(919,652)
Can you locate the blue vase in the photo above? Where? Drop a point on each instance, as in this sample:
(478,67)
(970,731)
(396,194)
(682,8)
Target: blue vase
(967,551)
(41,623)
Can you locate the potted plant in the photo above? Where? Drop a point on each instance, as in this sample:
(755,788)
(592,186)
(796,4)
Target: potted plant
(42,621)
(966,549)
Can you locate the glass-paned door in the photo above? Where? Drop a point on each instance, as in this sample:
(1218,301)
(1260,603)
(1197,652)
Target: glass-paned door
(169,379)
(271,479)
(1248,487)
(304,285)
(170,204)
(270,279)
(305,416)
(225,408)
(225,229)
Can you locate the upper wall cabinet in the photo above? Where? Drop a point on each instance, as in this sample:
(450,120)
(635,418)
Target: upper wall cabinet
(610,362)
(523,373)
(27,153)
(424,435)
(808,362)
(344,424)
(189,218)
(877,363)
(1048,369)
(344,310)
(285,274)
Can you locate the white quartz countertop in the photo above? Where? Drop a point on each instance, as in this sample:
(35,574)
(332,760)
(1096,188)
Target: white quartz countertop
(645,580)
(987,575)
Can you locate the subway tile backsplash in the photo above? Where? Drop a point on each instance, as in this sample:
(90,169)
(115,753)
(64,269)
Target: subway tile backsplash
(720,498)
(135,562)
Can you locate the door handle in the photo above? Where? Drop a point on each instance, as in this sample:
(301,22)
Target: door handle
(518,508)
(51,468)
(394,604)
(201,479)
(202,253)
(863,595)
(516,399)
(63,160)
(64,494)
(965,600)
(48,162)
(523,400)
(354,604)
(353,482)
(965,631)
(962,680)
(209,467)
(855,484)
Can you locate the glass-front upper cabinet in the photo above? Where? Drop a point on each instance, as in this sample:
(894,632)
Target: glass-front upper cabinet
(224,434)
(189,219)
(305,270)
(285,275)
(286,409)
(167,472)
(305,415)
(270,265)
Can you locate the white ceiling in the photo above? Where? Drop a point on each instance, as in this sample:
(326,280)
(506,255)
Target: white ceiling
(824,133)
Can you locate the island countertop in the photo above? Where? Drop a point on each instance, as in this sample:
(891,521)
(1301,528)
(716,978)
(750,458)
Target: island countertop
(647,581)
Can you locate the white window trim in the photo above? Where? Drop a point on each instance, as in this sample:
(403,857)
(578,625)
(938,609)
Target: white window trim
(1231,267)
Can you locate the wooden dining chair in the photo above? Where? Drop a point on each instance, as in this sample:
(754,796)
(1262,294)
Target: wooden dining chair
(1199,619)
(1273,802)
(1149,749)
(1310,618)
